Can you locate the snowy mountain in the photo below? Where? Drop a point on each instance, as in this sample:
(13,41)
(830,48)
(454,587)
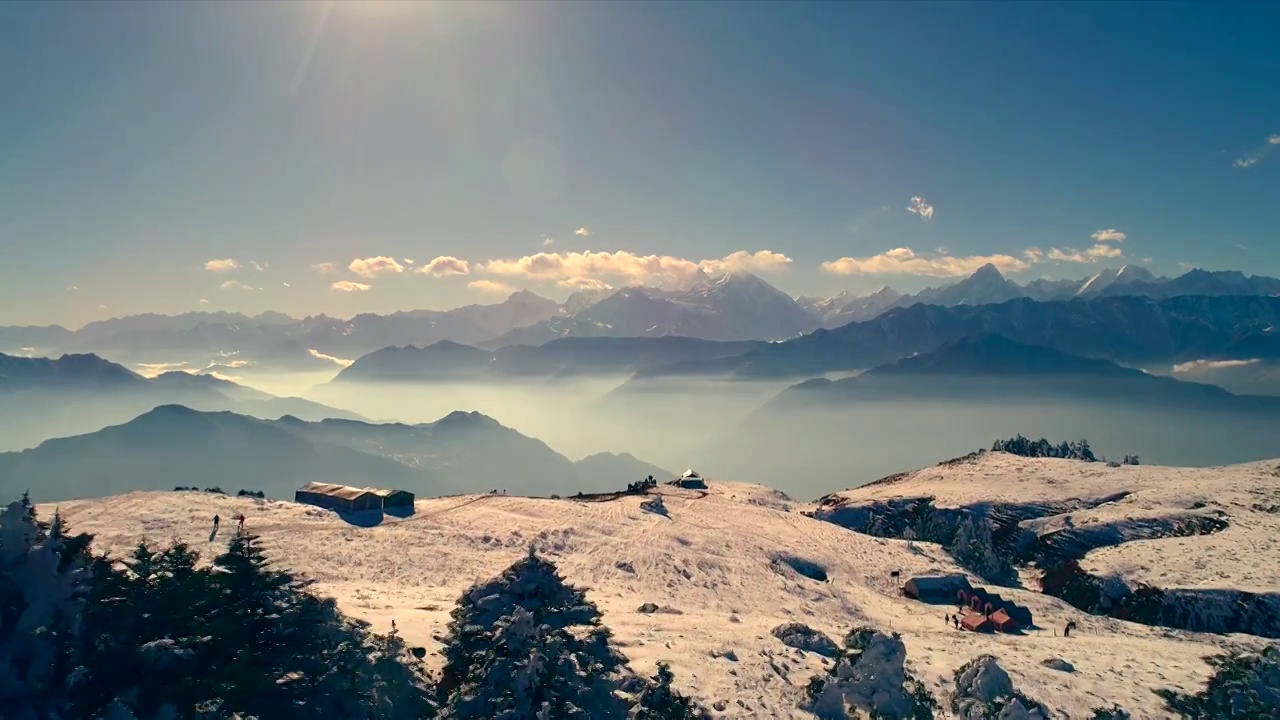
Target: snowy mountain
(728,568)
(732,306)
(1115,279)
(845,308)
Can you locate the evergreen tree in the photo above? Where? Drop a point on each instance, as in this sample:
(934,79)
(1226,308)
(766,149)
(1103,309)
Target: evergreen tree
(41,601)
(523,629)
(660,701)
(974,549)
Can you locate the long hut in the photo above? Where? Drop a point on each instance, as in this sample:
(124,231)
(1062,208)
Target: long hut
(936,589)
(338,497)
(394,499)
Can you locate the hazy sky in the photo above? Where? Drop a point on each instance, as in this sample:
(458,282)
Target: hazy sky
(164,157)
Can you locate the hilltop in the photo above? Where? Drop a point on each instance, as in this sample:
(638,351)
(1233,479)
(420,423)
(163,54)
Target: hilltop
(721,567)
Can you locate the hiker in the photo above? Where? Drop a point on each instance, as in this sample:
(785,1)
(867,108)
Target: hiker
(240,527)
(216,519)
(956,619)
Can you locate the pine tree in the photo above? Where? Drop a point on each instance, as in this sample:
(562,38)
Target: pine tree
(974,549)
(528,636)
(41,602)
(660,701)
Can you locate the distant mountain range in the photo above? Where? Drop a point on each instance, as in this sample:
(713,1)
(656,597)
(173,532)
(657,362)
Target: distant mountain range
(992,368)
(41,398)
(1128,329)
(174,445)
(730,307)
(987,286)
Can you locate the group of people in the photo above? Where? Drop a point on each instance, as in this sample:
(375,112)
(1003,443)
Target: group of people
(239,520)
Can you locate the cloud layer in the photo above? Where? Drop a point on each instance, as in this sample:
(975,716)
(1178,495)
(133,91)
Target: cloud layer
(490,286)
(222,265)
(444,266)
(905,261)
(573,269)
(350,286)
(375,266)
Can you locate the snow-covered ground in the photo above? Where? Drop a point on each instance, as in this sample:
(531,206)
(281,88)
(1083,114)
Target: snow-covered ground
(714,560)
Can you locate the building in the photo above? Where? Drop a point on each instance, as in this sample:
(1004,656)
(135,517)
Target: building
(936,588)
(976,622)
(338,497)
(690,480)
(980,599)
(394,499)
(1001,621)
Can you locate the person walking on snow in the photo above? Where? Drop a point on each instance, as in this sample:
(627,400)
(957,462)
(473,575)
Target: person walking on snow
(240,527)
(215,522)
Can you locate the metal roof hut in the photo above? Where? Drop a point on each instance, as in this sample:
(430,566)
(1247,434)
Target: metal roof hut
(936,589)
(394,499)
(690,480)
(338,497)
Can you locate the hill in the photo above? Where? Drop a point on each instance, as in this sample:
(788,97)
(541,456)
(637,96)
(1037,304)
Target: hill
(173,445)
(42,398)
(718,568)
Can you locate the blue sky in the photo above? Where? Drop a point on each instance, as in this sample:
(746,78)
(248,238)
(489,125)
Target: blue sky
(576,144)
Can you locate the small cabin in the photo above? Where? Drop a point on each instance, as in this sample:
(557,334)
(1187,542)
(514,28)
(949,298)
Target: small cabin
(690,480)
(395,499)
(1001,621)
(976,622)
(936,589)
(338,497)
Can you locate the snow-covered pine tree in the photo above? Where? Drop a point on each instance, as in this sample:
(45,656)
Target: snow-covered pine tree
(974,549)
(529,624)
(660,701)
(870,677)
(41,600)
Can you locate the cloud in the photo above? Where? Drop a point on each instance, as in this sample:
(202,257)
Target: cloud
(375,266)
(408,261)
(584,232)
(1090,255)
(223,265)
(1033,255)
(490,286)
(325,268)
(340,362)
(349,286)
(73,288)
(154,369)
(1108,235)
(584,284)
(920,207)
(203,301)
(1259,153)
(628,267)
(547,241)
(444,266)
(236,285)
(260,267)
(286,284)
(1212,364)
(102,307)
(905,261)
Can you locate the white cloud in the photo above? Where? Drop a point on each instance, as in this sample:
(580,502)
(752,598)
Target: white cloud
(628,267)
(154,369)
(1241,246)
(1186,266)
(920,207)
(1108,235)
(1259,153)
(27,351)
(444,266)
(374,266)
(235,285)
(905,261)
(547,241)
(102,307)
(1090,255)
(325,268)
(203,301)
(1212,364)
(1033,255)
(408,261)
(260,267)
(490,286)
(1147,260)
(349,286)
(585,284)
(73,288)
(582,231)
(340,362)
(222,265)
(286,284)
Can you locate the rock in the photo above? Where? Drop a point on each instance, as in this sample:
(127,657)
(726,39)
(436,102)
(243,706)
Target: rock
(805,638)
(1058,664)
(720,706)
(647,608)
(625,566)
